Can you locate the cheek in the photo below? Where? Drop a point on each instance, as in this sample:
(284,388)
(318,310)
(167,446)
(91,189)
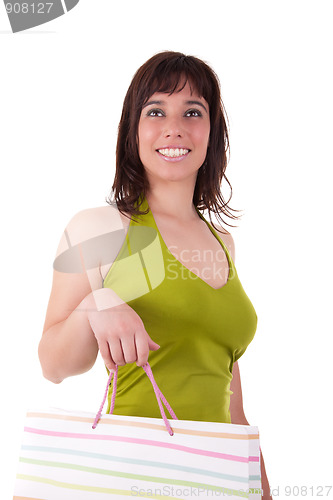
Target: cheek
(141,139)
(146,136)
(145,142)
(202,135)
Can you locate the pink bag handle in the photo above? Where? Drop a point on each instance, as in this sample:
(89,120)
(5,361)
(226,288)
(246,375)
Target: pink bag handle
(158,394)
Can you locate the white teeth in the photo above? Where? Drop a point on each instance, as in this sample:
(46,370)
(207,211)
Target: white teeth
(173,152)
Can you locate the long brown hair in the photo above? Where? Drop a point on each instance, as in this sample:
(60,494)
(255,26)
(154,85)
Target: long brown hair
(163,73)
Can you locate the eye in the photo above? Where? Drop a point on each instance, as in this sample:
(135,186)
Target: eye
(193,112)
(155,112)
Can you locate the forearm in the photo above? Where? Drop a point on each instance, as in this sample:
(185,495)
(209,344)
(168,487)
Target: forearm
(266,495)
(239,418)
(69,347)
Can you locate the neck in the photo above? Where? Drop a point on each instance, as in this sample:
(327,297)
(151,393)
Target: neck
(175,202)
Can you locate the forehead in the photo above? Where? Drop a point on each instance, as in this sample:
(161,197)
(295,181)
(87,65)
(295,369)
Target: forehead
(181,93)
(170,83)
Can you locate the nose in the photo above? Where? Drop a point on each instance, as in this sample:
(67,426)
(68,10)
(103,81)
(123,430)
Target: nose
(173,128)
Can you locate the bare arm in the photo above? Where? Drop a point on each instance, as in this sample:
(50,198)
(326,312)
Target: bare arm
(238,417)
(83,317)
(236,400)
(68,345)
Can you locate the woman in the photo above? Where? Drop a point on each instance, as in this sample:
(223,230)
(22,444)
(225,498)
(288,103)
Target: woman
(148,275)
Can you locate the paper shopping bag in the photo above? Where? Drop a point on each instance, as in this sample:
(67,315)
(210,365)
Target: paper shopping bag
(77,456)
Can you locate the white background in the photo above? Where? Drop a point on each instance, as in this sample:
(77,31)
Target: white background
(61,91)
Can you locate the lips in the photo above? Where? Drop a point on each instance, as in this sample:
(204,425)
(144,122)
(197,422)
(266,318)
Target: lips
(173,152)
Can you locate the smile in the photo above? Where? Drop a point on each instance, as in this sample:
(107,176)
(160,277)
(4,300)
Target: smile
(173,153)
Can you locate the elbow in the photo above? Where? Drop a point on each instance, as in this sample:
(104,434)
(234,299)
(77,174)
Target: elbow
(52,378)
(238,417)
(50,374)
(49,370)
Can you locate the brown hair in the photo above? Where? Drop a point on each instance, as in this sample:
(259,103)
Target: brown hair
(163,73)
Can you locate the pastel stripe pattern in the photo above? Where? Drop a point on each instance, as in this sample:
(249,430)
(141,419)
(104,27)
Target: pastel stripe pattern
(63,457)
(192,432)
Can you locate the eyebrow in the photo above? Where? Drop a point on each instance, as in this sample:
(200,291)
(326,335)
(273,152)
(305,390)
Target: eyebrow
(186,102)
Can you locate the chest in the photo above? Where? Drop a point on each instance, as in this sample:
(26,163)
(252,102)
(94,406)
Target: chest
(197,249)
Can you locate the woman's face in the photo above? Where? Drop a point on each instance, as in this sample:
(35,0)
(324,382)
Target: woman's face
(173,135)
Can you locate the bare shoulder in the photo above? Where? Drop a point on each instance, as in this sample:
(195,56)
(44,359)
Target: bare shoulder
(87,248)
(90,223)
(227,240)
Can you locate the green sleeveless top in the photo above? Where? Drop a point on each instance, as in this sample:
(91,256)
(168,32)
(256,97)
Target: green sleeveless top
(201,330)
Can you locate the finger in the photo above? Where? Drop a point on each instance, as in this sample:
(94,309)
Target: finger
(129,349)
(106,355)
(142,348)
(116,352)
(152,345)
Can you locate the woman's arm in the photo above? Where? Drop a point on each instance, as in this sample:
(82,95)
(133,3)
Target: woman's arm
(68,345)
(83,317)
(238,417)
(236,399)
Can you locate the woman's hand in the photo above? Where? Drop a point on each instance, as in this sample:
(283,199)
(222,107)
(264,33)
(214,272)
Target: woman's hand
(119,330)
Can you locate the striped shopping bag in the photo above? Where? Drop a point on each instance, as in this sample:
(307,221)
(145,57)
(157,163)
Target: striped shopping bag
(76,455)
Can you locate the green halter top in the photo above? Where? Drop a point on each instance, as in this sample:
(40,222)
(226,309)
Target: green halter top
(201,330)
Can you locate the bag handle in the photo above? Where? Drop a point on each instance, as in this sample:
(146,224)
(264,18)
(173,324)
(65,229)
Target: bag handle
(158,394)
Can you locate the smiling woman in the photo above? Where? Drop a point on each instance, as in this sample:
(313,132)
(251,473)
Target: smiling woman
(188,313)
(175,132)
(167,75)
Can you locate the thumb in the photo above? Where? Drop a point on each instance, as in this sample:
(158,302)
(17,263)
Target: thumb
(152,345)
